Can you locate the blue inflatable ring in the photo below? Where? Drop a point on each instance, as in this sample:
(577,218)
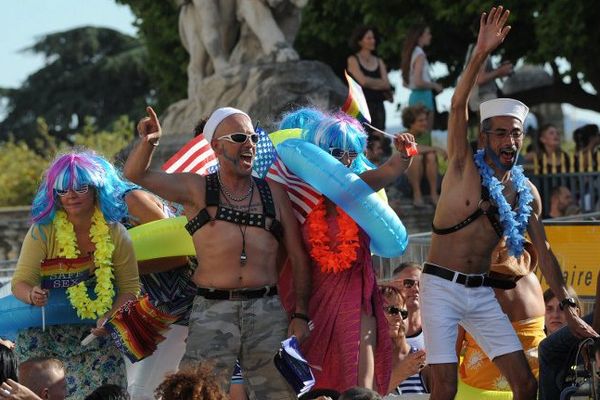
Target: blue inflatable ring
(346,189)
(17,315)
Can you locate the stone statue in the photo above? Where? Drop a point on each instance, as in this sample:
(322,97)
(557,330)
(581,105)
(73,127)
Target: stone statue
(222,33)
(241,55)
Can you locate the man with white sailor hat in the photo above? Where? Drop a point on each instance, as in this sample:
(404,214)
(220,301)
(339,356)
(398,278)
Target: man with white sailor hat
(484,197)
(237,224)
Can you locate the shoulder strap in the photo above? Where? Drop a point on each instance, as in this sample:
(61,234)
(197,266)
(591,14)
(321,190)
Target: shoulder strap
(266,197)
(212,190)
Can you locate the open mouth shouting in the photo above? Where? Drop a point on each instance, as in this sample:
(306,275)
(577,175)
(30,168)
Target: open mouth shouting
(508,155)
(246,158)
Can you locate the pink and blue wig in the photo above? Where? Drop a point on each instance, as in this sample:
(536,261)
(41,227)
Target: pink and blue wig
(72,170)
(341,131)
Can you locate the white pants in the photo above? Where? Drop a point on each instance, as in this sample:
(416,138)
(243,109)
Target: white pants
(144,376)
(446,304)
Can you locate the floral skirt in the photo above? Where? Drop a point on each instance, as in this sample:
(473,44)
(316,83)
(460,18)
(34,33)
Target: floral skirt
(86,367)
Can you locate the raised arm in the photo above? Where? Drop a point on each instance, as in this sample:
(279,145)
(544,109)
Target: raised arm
(362,79)
(173,187)
(551,268)
(492,31)
(394,167)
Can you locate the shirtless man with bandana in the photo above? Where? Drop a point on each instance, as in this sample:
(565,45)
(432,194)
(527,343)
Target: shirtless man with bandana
(237,224)
(474,211)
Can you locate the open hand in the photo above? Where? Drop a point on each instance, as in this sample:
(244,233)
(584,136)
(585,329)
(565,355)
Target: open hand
(15,391)
(149,127)
(492,31)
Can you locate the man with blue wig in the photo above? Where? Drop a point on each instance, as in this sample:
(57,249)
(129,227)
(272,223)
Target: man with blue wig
(350,342)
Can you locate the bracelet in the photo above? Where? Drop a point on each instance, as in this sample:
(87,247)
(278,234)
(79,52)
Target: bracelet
(155,144)
(301,316)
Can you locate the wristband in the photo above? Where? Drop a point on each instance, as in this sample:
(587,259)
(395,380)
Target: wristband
(301,316)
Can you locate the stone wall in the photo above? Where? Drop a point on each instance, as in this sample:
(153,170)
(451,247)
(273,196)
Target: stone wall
(14,223)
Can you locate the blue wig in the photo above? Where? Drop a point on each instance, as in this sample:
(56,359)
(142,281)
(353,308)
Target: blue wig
(75,169)
(301,118)
(341,131)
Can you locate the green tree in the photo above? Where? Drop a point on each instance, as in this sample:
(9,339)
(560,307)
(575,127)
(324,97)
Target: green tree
(89,72)
(157,22)
(542,31)
(22,165)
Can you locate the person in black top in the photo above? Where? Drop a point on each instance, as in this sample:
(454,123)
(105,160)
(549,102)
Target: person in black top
(370,73)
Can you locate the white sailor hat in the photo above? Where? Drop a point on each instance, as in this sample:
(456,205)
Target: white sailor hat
(216,118)
(503,107)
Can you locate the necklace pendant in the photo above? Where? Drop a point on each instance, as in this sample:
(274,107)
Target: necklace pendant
(243,258)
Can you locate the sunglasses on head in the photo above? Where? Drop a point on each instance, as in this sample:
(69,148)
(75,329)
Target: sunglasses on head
(240,138)
(410,283)
(340,153)
(393,310)
(83,189)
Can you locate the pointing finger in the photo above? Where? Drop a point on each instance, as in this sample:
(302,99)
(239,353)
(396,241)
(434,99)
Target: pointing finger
(152,114)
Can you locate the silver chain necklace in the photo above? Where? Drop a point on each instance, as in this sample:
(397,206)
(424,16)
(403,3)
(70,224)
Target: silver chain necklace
(229,195)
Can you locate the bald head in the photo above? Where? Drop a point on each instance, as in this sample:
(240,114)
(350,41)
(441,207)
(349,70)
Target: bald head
(44,376)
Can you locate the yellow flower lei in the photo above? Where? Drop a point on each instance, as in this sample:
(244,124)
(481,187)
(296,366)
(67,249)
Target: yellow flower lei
(67,248)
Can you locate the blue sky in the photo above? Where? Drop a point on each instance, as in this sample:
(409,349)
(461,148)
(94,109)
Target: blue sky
(22,21)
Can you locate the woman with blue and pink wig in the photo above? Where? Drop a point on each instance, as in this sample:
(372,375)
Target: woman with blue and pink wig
(350,342)
(77,245)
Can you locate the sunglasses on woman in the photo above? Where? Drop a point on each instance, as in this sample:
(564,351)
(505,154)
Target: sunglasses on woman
(410,283)
(393,310)
(240,138)
(340,153)
(83,189)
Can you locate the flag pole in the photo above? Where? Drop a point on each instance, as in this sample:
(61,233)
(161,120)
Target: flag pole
(379,130)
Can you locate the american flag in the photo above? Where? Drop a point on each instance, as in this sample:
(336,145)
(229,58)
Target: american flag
(304,197)
(196,156)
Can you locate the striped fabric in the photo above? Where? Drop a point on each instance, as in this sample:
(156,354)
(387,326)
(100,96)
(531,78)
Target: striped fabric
(196,156)
(412,384)
(303,196)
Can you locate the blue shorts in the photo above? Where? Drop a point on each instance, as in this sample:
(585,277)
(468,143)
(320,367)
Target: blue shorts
(421,96)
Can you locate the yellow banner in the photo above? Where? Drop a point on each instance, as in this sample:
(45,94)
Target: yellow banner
(577,248)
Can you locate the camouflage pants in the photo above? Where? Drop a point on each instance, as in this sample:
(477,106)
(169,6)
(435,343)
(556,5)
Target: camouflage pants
(222,331)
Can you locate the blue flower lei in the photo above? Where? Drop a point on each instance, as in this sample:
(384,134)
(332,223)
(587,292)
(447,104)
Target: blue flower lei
(515,222)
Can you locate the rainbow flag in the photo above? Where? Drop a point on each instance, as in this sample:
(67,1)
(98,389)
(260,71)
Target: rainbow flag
(62,273)
(137,328)
(356,104)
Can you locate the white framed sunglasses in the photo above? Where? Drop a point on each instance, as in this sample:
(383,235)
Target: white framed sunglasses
(340,153)
(240,138)
(82,189)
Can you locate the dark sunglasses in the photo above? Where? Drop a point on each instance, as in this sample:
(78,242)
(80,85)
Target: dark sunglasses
(83,189)
(340,153)
(410,283)
(393,310)
(240,137)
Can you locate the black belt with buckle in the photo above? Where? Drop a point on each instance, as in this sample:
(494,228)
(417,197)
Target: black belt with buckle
(237,294)
(467,280)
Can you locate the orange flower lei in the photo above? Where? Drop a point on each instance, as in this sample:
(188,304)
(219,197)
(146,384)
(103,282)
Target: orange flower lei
(332,260)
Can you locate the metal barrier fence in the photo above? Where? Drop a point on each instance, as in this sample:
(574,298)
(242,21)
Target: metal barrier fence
(576,171)
(585,186)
